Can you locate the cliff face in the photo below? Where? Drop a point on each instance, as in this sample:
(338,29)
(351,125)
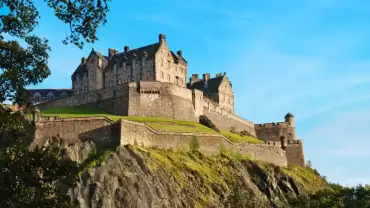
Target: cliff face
(138,177)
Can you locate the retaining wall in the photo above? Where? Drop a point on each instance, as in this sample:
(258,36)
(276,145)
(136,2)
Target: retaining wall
(210,144)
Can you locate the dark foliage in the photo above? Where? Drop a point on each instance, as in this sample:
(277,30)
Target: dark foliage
(38,177)
(204,120)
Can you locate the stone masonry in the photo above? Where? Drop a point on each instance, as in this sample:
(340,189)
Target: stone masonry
(150,81)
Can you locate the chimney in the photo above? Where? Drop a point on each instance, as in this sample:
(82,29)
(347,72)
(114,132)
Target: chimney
(83,60)
(162,38)
(179,53)
(206,76)
(111,52)
(127,49)
(218,74)
(193,78)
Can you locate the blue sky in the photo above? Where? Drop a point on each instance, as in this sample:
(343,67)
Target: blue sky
(311,58)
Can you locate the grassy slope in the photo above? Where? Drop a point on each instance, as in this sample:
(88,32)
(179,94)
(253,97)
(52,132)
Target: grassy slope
(238,138)
(160,124)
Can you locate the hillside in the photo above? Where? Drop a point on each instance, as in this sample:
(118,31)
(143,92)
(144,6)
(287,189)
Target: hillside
(138,177)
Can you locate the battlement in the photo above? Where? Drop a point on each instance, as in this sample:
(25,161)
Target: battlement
(272,143)
(298,141)
(150,92)
(272,124)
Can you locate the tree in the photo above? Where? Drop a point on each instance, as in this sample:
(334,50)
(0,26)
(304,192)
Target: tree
(28,178)
(23,66)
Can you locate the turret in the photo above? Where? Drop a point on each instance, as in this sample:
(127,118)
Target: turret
(289,118)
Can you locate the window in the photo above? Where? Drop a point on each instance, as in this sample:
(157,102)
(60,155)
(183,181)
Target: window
(50,96)
(63,95)
(115,69)
(36,98)
(114,94)
(134,64)
(124,66)
(143,61)
(94,76)
(162,75)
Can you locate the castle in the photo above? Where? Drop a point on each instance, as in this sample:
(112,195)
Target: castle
(150,81)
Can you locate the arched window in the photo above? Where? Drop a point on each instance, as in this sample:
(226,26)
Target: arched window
(50,96)
(36,97)
(63,95)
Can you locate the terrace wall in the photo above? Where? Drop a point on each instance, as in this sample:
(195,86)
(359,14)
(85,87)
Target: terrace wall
(101,130)
(210,144)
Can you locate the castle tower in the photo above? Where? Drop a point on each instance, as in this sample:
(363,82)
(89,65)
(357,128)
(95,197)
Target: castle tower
(289,118)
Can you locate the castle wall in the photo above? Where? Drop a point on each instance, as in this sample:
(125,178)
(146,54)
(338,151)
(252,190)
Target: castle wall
(225,120)
(274,131)
(156,99)
(98,129)
(294,153)
(210,144)
(112,100)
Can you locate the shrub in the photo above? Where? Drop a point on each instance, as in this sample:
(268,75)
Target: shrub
(245,133)
(194,144)
(204,120)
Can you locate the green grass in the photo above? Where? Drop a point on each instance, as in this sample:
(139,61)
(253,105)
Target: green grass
(159,124)
(70,112)
(305,176)
(237,138)
(170,125)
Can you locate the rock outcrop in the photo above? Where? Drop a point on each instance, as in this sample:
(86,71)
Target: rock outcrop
(138,177)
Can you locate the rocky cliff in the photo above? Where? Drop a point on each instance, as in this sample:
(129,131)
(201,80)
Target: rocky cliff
(137,177)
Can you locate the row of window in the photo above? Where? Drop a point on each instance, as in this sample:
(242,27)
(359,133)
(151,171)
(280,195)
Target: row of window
(124,65)
(50,96)
(176,79)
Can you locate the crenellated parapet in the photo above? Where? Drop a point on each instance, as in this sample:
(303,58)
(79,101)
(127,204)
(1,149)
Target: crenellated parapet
(272,125)
(274,131)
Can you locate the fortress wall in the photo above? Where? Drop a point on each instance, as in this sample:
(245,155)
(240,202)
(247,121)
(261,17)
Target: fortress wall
(294,152)
(274,131)
(225,121)
(210,144)
(158,99)
(98,129)
(90,99)
(272,153)
(197,97)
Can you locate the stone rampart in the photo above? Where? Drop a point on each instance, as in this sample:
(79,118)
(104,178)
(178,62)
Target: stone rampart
(163,100)
(141,134)
(274,131)
(225,121)
(112,100)
(294,152)
(155,99)
(101,130)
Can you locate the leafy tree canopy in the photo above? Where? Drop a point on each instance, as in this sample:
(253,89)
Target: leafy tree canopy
(22,66)
(28,178)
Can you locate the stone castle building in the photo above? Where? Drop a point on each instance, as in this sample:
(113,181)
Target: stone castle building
(151,81)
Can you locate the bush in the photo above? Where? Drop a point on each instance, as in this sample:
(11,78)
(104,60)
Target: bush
(204,120)
(245,133)
(194,144)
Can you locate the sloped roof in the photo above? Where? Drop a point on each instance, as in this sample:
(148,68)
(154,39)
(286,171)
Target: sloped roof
(82,68)
(44,92)
(211,86)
